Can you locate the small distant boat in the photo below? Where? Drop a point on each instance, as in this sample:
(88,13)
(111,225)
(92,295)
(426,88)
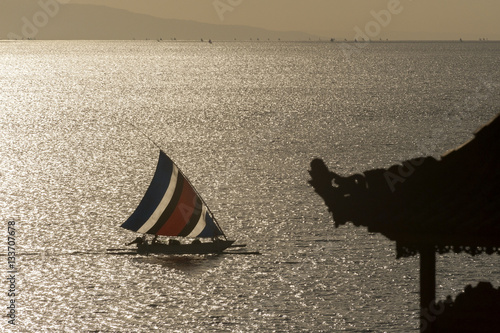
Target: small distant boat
(172,207)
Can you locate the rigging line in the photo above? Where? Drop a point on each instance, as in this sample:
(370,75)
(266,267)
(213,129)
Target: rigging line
(182,173)
(144,134)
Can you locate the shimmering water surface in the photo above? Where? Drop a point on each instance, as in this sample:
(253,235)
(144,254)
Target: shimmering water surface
(243,121)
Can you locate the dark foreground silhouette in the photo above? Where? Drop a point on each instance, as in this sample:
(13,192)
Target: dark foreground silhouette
(476,310)
(427,206)
(452,204)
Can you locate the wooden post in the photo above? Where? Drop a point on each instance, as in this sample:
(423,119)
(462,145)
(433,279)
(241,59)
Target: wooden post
(427,287)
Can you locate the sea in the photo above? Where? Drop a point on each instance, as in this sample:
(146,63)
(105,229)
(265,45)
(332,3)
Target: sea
(81,126)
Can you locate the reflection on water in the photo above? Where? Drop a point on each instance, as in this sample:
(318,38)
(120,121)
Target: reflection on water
(243,121)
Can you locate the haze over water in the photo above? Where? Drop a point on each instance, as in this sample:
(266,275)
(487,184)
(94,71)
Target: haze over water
(242,120)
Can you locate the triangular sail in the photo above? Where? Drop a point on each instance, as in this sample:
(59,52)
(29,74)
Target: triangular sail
(172,207)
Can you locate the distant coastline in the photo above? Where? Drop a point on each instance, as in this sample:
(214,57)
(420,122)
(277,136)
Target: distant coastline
(52,21)
(90,22)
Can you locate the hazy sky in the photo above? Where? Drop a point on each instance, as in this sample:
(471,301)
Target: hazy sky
(409,19)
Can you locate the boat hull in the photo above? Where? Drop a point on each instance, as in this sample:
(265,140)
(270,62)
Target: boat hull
(199,248)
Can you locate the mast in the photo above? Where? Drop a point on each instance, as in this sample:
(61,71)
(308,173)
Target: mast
(145,135)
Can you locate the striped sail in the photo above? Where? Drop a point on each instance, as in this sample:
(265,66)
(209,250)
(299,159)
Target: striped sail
(171,206)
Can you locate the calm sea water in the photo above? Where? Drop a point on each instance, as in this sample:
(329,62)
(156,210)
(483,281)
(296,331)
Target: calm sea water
(243,121)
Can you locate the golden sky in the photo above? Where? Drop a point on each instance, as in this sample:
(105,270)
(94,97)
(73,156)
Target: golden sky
(393,19)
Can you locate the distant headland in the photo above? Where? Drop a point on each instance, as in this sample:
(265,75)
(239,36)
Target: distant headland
(60,20)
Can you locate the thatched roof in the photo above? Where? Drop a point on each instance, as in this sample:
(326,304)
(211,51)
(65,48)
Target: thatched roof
(452,204)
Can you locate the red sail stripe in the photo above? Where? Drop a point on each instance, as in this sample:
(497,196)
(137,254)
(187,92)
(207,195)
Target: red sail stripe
(182,212)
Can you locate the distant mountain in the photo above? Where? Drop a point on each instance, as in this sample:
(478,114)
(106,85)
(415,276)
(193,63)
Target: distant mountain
(51,19)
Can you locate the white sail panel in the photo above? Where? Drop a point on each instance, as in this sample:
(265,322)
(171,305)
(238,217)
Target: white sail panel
(167,198)
(200,225)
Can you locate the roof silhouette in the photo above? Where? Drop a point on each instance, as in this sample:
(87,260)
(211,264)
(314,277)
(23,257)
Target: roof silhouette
(452,204)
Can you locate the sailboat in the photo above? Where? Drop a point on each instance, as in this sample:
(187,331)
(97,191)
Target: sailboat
(172,207)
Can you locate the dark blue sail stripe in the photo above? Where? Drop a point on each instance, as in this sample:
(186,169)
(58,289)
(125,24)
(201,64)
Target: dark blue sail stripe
(211,229)
(154,194)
